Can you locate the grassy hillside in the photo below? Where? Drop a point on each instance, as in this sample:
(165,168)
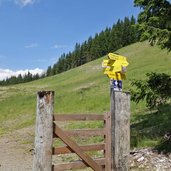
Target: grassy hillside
(83,89)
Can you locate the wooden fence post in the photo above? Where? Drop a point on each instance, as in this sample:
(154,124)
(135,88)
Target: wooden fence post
(120,125)
(42,160)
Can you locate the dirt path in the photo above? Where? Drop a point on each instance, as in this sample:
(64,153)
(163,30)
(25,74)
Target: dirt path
(16,154)
(16,151)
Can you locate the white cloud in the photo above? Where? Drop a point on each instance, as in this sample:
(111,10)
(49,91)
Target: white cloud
(56,46)
(21,3)
(7,73)
(32,45)
(24,3)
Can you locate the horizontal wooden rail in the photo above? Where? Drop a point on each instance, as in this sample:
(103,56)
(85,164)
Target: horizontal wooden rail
(91,147)
(76,165)
(82,132)
(78,117)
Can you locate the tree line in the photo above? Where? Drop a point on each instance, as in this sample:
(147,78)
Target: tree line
(21,79)
(154,24)
(121,34)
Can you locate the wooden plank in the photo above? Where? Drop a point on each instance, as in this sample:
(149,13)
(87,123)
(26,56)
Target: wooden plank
(104,152)
(77,165)
(66,149)
(120,116)
(82,132)
(85,157)
(42,159)
(78,117)
(108,154)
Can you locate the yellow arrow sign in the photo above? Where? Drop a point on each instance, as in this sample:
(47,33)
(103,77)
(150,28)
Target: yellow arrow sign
(115,66)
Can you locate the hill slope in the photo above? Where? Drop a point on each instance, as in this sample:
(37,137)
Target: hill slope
(83,89)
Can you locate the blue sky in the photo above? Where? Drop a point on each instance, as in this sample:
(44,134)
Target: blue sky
(34,33)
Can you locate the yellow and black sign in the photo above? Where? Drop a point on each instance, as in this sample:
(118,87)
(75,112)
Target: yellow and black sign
(115,66)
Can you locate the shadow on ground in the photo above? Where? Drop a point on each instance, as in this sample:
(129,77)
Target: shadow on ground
(152,129)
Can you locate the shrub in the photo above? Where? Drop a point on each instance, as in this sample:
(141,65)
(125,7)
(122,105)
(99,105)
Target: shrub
(156,90)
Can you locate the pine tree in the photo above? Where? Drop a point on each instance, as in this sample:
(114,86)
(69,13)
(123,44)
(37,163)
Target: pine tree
(155,22)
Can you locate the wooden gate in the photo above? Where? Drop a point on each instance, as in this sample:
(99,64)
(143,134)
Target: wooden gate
(115,133)
(97,164)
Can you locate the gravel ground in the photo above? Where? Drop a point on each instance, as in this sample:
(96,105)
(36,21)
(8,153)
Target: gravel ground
(149,160)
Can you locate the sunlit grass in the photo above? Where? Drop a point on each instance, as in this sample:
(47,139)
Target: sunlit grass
(83,90)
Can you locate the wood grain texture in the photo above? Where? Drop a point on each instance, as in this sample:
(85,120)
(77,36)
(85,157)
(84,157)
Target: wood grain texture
(78,117)
(108,154)
(42,160)
(77,165)
(120,117)
(90,147)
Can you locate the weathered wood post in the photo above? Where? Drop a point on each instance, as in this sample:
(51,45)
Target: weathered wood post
(115,67)
(120,128)
(42,160)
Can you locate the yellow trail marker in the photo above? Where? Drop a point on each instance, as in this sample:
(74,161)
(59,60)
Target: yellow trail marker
(115,66)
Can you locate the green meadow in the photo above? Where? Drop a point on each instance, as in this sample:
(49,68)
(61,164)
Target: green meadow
(85,89)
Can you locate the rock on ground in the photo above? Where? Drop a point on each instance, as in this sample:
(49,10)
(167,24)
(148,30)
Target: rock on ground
(148,159)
